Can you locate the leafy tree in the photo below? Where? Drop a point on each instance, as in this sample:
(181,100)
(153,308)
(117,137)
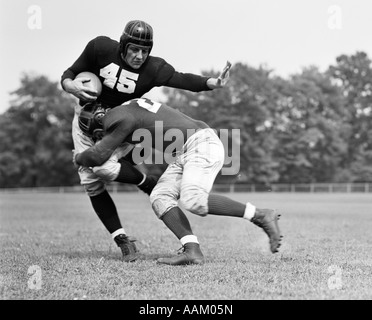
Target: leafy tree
(310,128)
(35,135)
(353,74)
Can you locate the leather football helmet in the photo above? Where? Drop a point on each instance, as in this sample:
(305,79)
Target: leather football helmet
(136,32)
(90,120)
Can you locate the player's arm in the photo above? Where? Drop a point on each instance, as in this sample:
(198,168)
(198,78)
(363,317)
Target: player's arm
(74,86)
(99,153)
(197,83)
(188,81)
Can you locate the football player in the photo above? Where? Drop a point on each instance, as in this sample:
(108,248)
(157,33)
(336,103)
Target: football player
(199,156)
(127,71)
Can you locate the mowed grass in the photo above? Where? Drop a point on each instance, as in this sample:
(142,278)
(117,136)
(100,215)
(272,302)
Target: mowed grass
(53,247)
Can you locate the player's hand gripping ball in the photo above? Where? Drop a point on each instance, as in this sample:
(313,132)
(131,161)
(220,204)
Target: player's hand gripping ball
(91,81)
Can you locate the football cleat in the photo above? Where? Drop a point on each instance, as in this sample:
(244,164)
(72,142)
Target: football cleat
(127,246)
(267,219)
(191,254)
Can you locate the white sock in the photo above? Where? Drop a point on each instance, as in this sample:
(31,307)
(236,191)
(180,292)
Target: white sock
(117,232)
(249,212)
(189,238)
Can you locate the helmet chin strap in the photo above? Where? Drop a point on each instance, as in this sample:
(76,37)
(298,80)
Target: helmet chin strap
(123,58)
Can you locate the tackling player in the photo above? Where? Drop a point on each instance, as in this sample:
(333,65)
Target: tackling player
(189,179)
(127,71)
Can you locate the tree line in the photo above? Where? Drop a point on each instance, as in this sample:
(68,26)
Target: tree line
(314,126)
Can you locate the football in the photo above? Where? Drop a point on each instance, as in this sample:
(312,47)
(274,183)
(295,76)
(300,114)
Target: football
(94,83)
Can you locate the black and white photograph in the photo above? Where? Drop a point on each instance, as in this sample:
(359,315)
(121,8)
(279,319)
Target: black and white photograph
(185,157)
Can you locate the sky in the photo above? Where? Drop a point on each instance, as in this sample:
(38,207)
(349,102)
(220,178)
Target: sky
(44,37)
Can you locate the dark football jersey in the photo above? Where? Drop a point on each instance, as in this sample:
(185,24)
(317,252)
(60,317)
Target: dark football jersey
(122,83)
(138,120)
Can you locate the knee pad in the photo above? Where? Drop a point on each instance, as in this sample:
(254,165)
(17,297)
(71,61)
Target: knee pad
(95,188)
(161,204)
(195,200)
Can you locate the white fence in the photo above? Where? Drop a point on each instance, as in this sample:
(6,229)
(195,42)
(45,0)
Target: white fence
(309,188)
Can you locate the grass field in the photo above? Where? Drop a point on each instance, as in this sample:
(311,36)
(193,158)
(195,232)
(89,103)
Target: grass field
(53,247)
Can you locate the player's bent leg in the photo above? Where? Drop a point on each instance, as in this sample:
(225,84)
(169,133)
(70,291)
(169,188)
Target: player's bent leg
(162,203)
(176,220)
(204,159)
(195,200)
(81,141)
(267,219)
(197,182)
(165,207)
(106,211)
(166,192)
(164,200)
(101,201)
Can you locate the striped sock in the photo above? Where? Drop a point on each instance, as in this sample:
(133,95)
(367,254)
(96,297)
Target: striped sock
(223,206)
(176,220)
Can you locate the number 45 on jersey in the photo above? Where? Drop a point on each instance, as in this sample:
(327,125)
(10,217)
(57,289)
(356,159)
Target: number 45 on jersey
(126,82)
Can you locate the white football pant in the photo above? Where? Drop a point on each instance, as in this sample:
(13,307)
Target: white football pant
(190,178)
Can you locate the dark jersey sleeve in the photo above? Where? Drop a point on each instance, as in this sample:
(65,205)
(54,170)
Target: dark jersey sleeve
(188,81)
(98,154)
(169,77)
(83,63)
